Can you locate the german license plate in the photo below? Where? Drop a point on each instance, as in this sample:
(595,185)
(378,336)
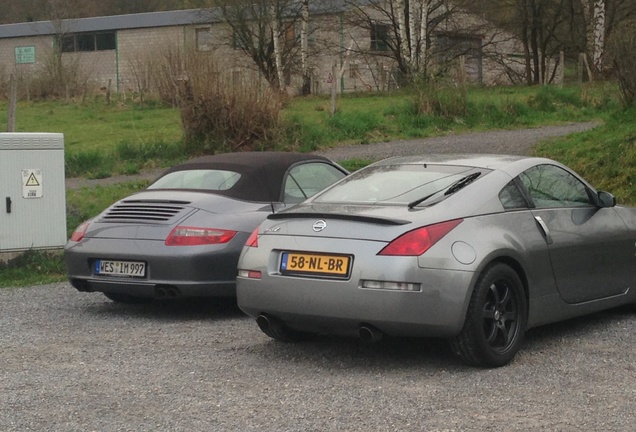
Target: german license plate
(311,264)
(120,268)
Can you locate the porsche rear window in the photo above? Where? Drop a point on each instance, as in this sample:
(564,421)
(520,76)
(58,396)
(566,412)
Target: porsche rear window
(198,179)
(395,184)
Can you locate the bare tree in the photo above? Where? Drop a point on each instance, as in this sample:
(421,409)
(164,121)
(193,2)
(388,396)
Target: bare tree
(416,34)
(265,30)
(547,27)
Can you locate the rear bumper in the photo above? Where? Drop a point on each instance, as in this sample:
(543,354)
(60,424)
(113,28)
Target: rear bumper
(438,310)
(197,271)
(151,289)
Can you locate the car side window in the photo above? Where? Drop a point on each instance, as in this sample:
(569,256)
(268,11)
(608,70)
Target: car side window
(511,197)
(307,179)
(552,186)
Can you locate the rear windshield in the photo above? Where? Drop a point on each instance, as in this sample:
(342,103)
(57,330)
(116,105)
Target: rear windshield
(396,184)
(200,179)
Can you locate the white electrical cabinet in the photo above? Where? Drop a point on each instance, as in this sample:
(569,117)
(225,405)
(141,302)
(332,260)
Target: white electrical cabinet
(32,191)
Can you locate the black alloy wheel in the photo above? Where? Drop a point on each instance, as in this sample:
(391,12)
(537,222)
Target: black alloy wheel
(495,321)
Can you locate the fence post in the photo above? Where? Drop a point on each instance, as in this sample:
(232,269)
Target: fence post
(334,88)
(13,96)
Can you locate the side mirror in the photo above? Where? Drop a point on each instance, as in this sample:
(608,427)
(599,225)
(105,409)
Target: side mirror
(606,199)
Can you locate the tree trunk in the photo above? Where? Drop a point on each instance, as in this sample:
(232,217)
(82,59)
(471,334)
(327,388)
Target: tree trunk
(424,35)
(413,34)
(404,43)
(599,35)
(525,39)
(589,25)
(278,58)
(304,48)
(534,42)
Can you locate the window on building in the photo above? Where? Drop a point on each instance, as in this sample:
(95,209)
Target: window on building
(204,39)
(67,43)
(105,41)
(102,41)
(353,71)
(379,37)
(85,42)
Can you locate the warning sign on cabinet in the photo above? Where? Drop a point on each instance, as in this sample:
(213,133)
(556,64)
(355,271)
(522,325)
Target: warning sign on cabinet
(32,183)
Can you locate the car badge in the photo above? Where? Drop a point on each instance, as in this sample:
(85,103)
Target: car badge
(319,225)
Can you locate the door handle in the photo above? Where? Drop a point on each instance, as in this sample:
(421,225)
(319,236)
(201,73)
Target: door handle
(544,229)
(8,204)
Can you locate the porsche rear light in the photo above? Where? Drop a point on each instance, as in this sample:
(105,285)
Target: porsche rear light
(196,236)
(418,241)
(252,240)
(80,231)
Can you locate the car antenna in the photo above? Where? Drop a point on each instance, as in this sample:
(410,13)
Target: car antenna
(269,190)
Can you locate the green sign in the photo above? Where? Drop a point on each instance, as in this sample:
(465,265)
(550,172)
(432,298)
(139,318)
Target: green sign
(25,55)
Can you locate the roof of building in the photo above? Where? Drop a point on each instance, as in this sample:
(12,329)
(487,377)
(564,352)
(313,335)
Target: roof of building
(134,21)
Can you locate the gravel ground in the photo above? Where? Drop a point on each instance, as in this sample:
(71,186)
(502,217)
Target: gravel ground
(78,362)
(518,142)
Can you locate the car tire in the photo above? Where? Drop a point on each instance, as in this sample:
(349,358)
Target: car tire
(496,319)
(126,298)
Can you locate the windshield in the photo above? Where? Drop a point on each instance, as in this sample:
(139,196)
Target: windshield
(396,184)
(200,179)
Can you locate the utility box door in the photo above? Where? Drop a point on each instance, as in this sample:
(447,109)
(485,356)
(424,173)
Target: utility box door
(32,191)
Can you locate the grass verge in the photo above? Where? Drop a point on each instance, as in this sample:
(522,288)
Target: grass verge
(604,156)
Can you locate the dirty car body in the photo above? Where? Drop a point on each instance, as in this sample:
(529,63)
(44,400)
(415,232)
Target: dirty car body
(472,248)
(182,236)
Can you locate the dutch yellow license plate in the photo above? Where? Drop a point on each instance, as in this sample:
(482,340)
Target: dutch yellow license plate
(311,264)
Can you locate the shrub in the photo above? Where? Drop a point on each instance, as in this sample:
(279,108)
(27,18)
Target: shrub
(435,98)
(59,78)
(221,112)
(549,98)
(87,162)
(622,46)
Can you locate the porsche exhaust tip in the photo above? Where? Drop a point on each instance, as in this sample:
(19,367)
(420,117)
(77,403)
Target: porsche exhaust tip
(369,334)
(166,292)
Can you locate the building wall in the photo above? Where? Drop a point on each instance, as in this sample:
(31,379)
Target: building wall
(139,48)
(43,46)
(334,40)
(93,68)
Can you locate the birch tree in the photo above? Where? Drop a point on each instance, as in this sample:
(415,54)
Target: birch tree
(412,25)
(278,55)
(598,34)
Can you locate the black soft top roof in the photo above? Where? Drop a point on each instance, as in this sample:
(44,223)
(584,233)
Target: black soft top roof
(262,173)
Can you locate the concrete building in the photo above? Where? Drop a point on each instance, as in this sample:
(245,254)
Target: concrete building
(118,51)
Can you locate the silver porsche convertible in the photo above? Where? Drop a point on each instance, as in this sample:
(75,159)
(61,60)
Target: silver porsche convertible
(475,249)
(182,236)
